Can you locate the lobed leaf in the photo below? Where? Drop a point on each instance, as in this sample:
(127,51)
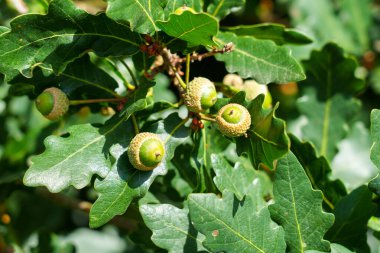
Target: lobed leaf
(231,225)
(267,140)
(124,183)
(62,163)
(172,229)
(58,38)
(141,15)
(328,100)
(194,28)
(261,60)
(298,208)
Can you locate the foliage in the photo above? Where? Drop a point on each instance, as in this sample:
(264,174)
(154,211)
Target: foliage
(300,179)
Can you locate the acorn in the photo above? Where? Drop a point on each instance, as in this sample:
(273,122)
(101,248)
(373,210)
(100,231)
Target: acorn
(233,120)
(52,103)
(146,151)
(200,95)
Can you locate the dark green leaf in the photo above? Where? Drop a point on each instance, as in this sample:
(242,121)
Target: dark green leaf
(81,79)
(267,140)
(231,225)
(221,8)
(262,60)
(275,32)
(194,28)
(56,39)
(298,208)
(351,217)
(318,170)
(124,183)
(141,15)
(171,228)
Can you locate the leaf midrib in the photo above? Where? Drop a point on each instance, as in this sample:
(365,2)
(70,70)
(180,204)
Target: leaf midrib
(68,34)
(299,234)
(236,49)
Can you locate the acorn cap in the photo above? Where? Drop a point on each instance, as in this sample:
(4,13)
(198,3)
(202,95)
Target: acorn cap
(146,151)
(233,120)
(52,103)
(200,94)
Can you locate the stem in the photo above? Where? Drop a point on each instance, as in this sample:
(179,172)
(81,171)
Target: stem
(130,72)
(135,124)
(92,101)
(206,117)
(187,68)
(181,82)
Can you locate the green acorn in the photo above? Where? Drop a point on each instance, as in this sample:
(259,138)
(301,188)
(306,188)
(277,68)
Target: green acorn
(52,103)
(200,95)
(233,120)
(146,151)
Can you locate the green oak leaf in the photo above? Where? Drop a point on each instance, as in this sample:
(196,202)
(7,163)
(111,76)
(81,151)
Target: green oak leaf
(194,28)
(80,76)
(172,229)
(298,208)
(124,183)
(141,15)
(375,133)
(261,60)
(328,101)
(318,170)
(62,163)
(351,217)
(172,5)
(231,225)
(374,184)
(279,34)
(221,8)
(240,180)
(56,39)
(267,139)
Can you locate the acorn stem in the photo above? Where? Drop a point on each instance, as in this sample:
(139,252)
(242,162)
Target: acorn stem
(187,68)
(206,117)
(92,101)
(135,124)
(179,78)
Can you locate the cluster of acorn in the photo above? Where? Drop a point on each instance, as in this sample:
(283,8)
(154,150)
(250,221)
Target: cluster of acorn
(147,150)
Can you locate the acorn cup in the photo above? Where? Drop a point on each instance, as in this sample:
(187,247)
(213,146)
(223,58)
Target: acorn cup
(146,151)
(233,120)
(52,103)
(200,95)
